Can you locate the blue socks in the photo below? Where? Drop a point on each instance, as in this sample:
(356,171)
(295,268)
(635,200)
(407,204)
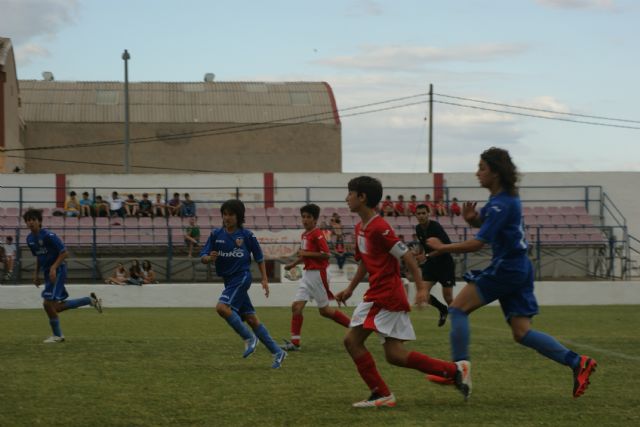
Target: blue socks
(55,327)
(238,325)
(262,333)
(549,347)
(75,303)
(459,334)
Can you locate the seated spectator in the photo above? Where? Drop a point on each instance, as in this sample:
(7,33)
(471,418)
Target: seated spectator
(72,205)
(116,205)
(399,209)
(131,206)
(9,256)
(145,205)
(159,206)
(387,207)
(454,209)
(188,206)
(119,276)
(174,205)
(135,274)
(192,235)
(100,207)
(440,208)
(148,275)
(85,205)
(412,205)
(429,204)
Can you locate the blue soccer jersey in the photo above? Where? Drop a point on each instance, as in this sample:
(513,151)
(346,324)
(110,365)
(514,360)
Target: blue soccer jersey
(46,246)
(503,227)
(234,250)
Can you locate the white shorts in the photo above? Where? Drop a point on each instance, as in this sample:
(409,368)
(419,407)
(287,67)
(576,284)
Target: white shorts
(313,286)
(392,324)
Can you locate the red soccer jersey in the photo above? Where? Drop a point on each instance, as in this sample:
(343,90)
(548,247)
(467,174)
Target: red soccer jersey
(314,241)
(374,241)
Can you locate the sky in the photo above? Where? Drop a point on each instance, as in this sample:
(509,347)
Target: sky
(565,59)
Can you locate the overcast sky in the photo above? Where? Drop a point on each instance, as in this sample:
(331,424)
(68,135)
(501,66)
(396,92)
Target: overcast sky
(568,56)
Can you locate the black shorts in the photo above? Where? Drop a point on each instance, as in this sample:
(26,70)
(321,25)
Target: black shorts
(440,270)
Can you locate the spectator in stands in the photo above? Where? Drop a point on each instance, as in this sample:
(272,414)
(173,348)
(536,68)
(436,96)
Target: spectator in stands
(440,208)
(148,275)
(119,276)
(399,208)
(72,205)
(188,206)
(411,206)
(116,205)
(85,205)
(174,205)
(454,208)
(9,256)
(135,274)
(429,204)
(100,207)
(159,206)
(192,235)
(145,205)
(336,225)
(131,206)
(387,207)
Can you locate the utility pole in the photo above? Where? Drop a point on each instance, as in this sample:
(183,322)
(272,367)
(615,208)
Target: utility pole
(430,128)
(126,57)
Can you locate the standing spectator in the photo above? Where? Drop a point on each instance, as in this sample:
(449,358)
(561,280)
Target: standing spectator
(173,207)
(131,206)
(159,206)
(412,205)
(85,205)
(192,235)
(9,256)
(148,275)
(454,209)
(399,209)
(100,207)
(440,208)
(116,205)
(145,205)
(387,207)
(188,206)
(72,205)
(119,276)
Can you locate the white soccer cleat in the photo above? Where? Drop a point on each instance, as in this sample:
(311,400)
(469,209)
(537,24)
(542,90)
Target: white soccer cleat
(463,378)
(375,401)
(96,302)
(53,339)
(250,346)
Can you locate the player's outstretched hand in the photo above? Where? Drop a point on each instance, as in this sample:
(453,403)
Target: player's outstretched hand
(265,287)
(469,211)
(289,266)
(422,296)
(343,296)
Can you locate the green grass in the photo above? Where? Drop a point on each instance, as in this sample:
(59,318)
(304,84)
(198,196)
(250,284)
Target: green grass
(167,367)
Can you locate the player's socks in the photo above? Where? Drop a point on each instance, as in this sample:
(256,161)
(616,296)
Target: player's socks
(428,365)
(550,347)
(369,373)
(296,328)
(55,327)
(459,334)
(79,302)
(238,325)
(437,304)
(341,318)
(264,337)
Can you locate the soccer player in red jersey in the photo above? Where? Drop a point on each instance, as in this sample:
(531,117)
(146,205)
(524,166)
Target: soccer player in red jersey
(314,253)
(385,308)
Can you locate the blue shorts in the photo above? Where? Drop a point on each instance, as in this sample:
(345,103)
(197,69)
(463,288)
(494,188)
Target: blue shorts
(511,283)
(55,291)
(236,295)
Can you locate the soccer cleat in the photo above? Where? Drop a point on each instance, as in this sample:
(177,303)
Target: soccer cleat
(376,401)
(96,302)
(581,375)
(289,346)
(463,378)
(53,339)
(443,318)
(440,380)
(250,346)
(278,358)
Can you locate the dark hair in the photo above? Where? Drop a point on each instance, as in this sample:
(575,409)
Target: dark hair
(98,197)
(9,239)
(32,213)
(234,206)
(311,209)
(499,161)
(186,195)
(147,264)
(130,196)
(370,187)
(86,193)
(72,194)
(176,195)
(422,206)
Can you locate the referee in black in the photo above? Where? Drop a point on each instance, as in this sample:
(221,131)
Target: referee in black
(440,268)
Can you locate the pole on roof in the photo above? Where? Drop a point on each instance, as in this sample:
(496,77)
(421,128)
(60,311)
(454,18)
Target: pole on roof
(430,128)
(126,57)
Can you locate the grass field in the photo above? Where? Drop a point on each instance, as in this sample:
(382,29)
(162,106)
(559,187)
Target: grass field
(165,367)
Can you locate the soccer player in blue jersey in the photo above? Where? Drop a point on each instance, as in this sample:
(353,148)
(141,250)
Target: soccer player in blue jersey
(50,255)
(509,276)
(231,248)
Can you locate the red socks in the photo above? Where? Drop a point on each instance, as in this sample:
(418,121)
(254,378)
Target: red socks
(432,366)
(369,373)
(296,328)
(341,318)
